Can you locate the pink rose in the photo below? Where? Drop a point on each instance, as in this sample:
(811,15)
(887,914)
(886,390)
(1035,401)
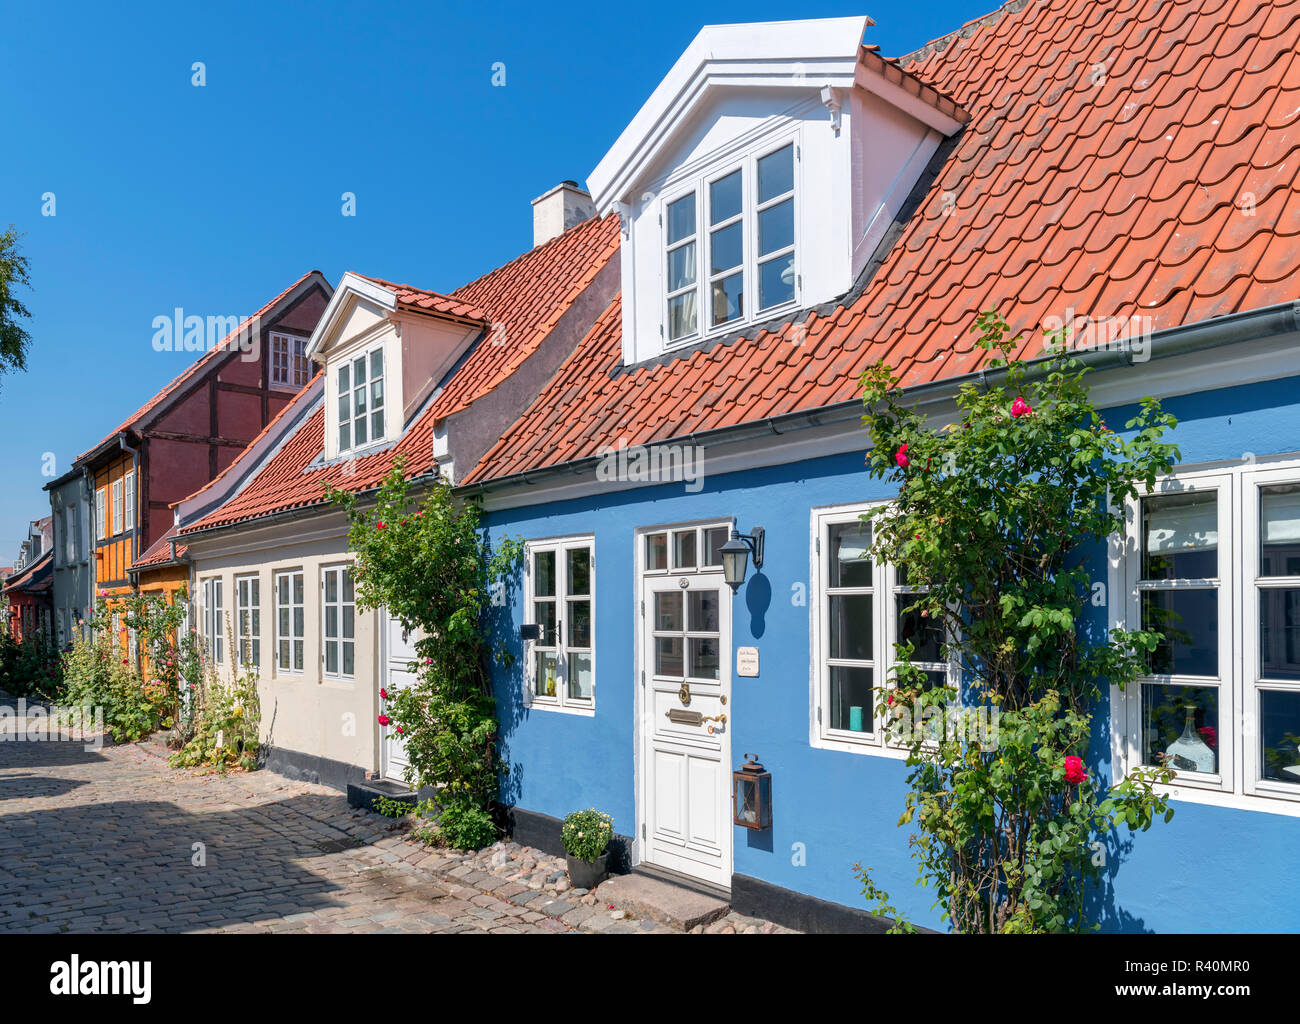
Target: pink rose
(384,719)
(1075,772)
(383,694)
(901,458)
(1020,408)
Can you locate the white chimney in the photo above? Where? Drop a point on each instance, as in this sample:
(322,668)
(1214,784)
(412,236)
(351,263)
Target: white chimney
(556,211)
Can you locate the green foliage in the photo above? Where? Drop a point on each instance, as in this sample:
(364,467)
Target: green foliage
(586,834)
(392,808)
(466,826)
(225,723)
(30,667)
(97,673)
(996,514)
(427,564)
(14,339)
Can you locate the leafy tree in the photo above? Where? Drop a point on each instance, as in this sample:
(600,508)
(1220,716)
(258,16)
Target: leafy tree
(995,518)
(14,339)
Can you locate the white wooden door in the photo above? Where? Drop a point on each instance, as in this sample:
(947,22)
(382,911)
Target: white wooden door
(685,727)
(398,654)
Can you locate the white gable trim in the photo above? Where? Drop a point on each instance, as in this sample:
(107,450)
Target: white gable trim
(349,286)
(774,54)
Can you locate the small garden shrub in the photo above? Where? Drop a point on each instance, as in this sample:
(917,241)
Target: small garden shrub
(586,834)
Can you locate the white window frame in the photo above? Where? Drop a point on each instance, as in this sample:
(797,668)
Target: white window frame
(101,500)
(698,186)
(288,364)
(349,363)
(562,599)
(245,604)
(213,613)
(1239,782)
(884,623)
(284,587)
(116,524)
(128,501)
(335,609)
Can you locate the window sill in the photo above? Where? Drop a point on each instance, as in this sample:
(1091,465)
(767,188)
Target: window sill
(868,745)
(1282,804)
(544,704)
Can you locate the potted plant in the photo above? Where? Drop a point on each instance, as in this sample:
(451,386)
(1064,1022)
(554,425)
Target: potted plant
(586,835)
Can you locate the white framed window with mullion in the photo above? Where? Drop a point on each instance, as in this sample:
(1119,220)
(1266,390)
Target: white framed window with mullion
(559,584)
(290,621)
(213,613)
(248,621)
(359,392)
(1270,528)
(338,632)
(1179,583)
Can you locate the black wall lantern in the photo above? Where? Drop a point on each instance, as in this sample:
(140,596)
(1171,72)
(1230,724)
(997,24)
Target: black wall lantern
(751,786)
(735,556)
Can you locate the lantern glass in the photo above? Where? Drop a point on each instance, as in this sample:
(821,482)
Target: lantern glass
(753,798)
(735,561)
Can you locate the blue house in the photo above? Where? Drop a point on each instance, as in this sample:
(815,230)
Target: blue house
(794,208)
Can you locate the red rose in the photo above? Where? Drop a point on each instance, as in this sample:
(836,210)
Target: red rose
(384,719)
(399,730)
(383,694)
(379,525)
(901,458)
(1020,408)
(1075,772)
(1210,735)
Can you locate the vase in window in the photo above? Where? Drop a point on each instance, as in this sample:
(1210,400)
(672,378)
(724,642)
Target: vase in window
(1190,753)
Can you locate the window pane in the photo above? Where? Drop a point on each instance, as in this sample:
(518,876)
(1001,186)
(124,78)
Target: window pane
(668,656)
(358,371)
(284,653)
(851,698)
(332,621)
(726,248)
(347,584)
(345,380)
(776,174)
(1279,734)
(544,616)
(580,676)
(921,632)
(724,198)
(1180,727)
(332,657)
(681,316)
(728,298)
(1279,633)
(1189,622)
(298,622)
(1180,537)
(544,672)
(681,219)
(776,227)
(349,658)
(544,573)
(681,267)
(349,622)
(376,425)
(376,363)
(1279,530)
(850,626)
(704,657)
(331,587)
(684,549)
(776,281)
(297,588)
(668,611)
(702,611)
(656,551)
(579,560)
(345,436)
(849,552)
(713,540)
(579,623)
(297,655)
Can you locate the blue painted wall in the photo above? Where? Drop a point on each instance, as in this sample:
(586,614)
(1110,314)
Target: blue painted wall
(1210,869)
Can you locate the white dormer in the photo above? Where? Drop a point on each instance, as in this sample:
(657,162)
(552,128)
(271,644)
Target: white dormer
(384,348)
(759,177)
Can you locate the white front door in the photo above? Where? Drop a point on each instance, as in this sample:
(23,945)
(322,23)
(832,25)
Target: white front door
(685,725)
(398,653)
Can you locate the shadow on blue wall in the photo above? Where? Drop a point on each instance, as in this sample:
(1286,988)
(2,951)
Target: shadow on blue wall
(758,598)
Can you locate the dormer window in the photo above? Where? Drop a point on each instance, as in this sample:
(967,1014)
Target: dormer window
(748,241)
(361,400)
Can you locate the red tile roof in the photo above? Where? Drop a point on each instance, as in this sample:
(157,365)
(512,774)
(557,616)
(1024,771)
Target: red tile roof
(427,301)
(203,361)
(1110,152)
(160,552)
(522,300)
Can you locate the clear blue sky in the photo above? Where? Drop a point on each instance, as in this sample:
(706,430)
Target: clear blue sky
(214,199)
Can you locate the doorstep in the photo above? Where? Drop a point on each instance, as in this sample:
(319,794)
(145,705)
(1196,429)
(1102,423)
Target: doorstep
(648,896)
(366,794)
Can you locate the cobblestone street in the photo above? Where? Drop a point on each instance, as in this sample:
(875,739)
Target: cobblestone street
(113,840)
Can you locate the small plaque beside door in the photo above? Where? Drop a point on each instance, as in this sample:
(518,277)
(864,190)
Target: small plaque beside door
(747,661)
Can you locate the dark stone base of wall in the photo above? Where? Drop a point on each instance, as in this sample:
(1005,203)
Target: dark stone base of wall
(542,832)
(756,898)
(320,771)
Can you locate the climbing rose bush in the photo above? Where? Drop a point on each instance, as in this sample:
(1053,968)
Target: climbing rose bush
(996,517)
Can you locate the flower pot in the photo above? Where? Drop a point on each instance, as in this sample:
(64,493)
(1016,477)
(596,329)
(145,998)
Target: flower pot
(587,874)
